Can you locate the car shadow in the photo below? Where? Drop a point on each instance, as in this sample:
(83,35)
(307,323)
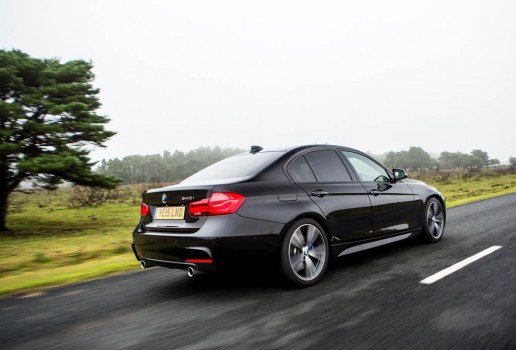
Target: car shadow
(241,279)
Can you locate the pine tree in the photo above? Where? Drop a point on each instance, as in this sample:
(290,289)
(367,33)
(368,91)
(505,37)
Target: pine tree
(47,121)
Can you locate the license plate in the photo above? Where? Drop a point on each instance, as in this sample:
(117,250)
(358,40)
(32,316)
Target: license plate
(170,213)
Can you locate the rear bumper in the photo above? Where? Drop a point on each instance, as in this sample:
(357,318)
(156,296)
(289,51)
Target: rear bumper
(205,266)
(223,240)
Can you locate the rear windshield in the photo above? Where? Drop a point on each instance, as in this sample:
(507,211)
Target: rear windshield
(233,169)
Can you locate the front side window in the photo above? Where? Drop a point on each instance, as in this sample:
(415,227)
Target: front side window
(327,166)
(367,169)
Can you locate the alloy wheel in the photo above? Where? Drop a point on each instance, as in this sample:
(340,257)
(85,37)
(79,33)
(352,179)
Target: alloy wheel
(435,219)
(307,252)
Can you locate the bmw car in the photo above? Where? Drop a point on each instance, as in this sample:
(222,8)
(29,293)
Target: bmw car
(300,207)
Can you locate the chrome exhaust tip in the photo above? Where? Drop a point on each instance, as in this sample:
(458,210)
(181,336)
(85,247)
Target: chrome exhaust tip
(190,271)
(143,264)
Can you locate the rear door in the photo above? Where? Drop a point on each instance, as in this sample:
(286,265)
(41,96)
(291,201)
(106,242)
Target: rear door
(344,202)
(393,204)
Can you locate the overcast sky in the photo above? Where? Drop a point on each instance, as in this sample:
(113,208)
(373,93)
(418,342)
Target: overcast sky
(373,75)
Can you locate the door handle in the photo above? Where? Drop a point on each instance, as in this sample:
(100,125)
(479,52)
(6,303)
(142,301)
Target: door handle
(319,193)
(375,192)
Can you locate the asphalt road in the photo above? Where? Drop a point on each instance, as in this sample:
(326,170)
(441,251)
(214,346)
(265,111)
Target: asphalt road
(370,300)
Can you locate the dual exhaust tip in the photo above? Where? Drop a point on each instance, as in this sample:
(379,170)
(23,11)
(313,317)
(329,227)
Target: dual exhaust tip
(190,271)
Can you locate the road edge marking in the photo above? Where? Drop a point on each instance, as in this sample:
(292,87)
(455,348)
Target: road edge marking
(449,270)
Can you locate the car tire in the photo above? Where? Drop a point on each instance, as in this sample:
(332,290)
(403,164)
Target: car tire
(433,221)
(305,253)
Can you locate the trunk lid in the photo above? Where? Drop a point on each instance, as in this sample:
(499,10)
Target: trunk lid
(169,208)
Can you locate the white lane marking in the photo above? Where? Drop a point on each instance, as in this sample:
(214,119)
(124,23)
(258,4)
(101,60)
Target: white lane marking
(449,270)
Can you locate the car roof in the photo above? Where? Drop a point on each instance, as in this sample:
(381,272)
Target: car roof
(303,147)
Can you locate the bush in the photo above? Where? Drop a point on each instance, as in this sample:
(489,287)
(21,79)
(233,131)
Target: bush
(81,196)
(87,196)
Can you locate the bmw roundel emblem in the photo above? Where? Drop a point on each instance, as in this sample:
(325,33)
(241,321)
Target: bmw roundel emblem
(164,198)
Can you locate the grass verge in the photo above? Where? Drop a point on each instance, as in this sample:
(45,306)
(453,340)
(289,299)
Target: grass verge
(463,188)
(53,243)
(30,280)
(479,197)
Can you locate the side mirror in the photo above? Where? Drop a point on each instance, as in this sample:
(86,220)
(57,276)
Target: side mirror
(399,174)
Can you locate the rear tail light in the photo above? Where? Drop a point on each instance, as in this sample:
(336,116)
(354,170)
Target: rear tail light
(144,209)
(220,203)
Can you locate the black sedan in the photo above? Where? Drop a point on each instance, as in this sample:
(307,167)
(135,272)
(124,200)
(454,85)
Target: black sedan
(301,206)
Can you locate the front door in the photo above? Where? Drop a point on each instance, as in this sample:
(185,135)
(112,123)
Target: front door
(393,203)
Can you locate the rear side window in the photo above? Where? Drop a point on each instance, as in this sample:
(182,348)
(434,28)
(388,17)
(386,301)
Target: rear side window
(327,166)
(301,172)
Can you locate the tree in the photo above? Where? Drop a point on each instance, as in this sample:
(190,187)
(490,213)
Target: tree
(167,168)
(419,159)
(476,159)
(397,160)
(493,161)
(47,123)
(449,160)
(414,158)
(480,158)
(512,161)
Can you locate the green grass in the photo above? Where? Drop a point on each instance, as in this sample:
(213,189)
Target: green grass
(462,188)
(54,242)
(44,278)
